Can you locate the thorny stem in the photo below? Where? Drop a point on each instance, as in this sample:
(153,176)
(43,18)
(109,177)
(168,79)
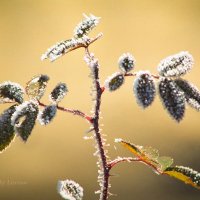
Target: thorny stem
(94,120)
(104,166)
(72,111)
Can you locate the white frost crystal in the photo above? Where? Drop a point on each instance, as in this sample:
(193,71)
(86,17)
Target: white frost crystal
(84,27)
(115,81)
(70,190)
(176,65)
(126,62)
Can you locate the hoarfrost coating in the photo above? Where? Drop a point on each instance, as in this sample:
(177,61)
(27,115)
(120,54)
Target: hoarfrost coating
(176,65)
(70,190)
(84,27)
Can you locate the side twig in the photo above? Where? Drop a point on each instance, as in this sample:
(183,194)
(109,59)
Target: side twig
(72,111)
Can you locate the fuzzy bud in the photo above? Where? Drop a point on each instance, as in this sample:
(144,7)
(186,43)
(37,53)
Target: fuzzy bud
(70,190)
(144,88)
(192,93)
(23,119)
(126,62)
(176,65)
(58,93)
(63,47)
(173,98)
(47,114)
(6,128)
(115,81)
(11,92)
(84,27)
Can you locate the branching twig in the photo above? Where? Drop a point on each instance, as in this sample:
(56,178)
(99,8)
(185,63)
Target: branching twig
(73,111)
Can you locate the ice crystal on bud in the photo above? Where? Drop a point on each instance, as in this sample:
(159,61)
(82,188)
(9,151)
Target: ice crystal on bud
(58,93)
(84,27)
(36,86)
(63,47)
(192,93)
(23,119)
(144,88)
(115,81)
(11,92)
(173,98)
(176,65)
(70,190)
(126,62)
(6,128)
(47,114)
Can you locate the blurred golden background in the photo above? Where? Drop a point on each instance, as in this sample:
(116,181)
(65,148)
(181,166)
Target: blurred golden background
(151,30)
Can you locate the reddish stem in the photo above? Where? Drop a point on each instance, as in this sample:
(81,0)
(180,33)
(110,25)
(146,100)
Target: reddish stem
(130,159)
(72,111)
(112,163)
(134,74)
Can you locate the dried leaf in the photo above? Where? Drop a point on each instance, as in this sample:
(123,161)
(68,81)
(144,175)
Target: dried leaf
(6,128)
(11,92)
(23,119)
(47,114)
(115,81)
(173,98)
(185,174)
(176,65)
(58,93)
(144,89)
(36,86)
(70,190)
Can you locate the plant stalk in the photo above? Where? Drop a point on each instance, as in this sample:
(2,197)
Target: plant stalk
(100,146)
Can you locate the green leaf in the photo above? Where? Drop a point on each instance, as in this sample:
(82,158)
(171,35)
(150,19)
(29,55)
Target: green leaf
(150,152)
(24,119)
(36,86)
(148,155)
(164,162)
(185,174)
(11,92)
(6,128)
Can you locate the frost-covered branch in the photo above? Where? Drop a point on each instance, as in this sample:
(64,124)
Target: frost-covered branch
(72,111)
